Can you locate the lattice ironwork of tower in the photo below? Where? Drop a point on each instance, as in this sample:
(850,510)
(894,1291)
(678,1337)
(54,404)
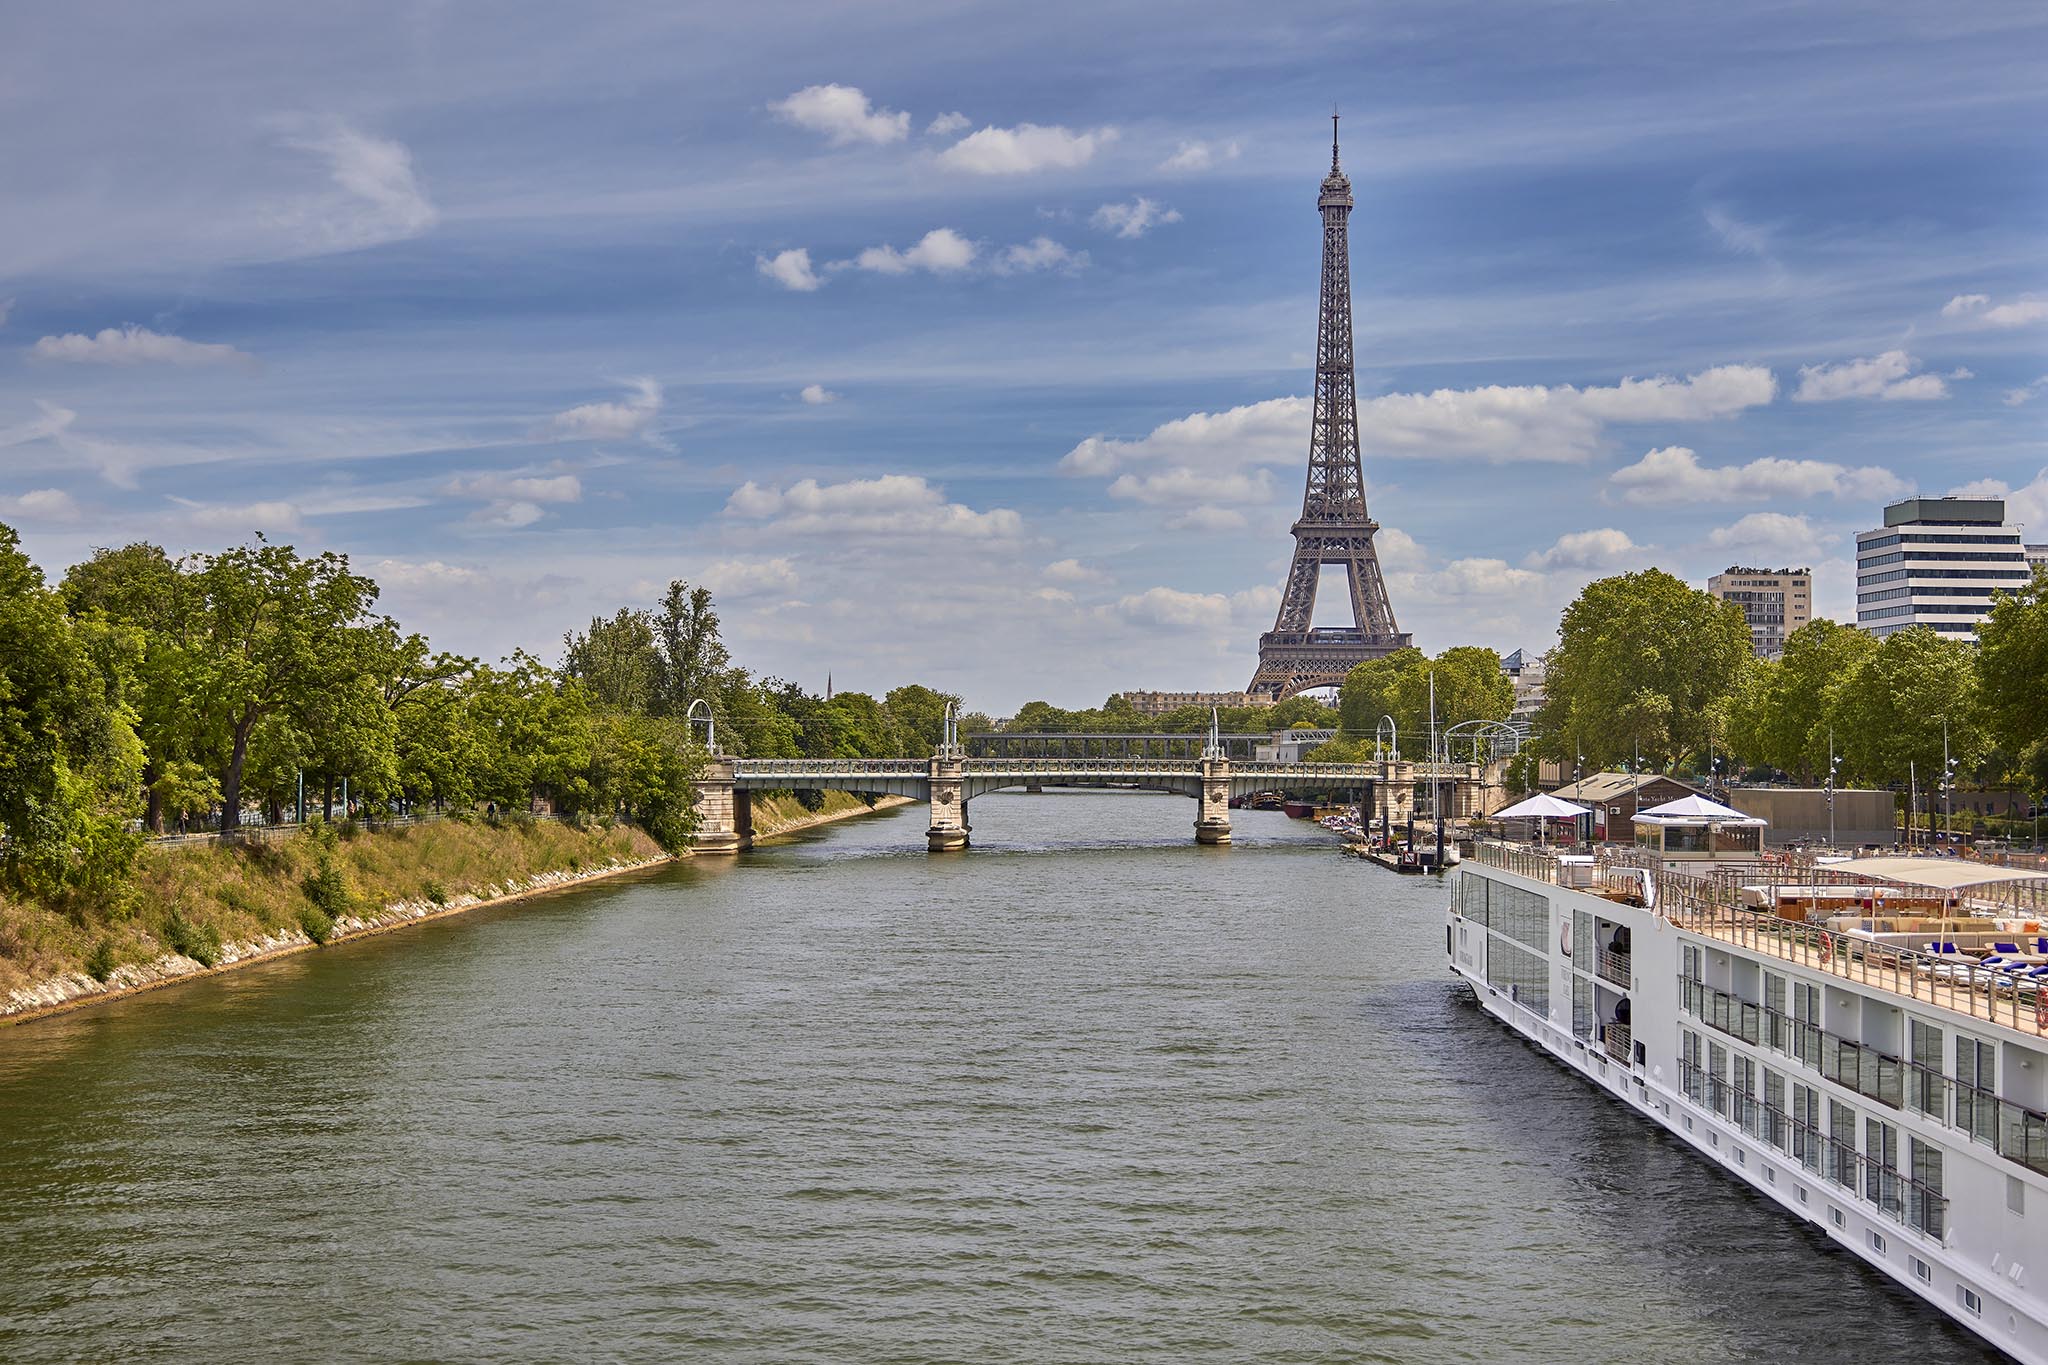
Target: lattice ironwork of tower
(1334,527)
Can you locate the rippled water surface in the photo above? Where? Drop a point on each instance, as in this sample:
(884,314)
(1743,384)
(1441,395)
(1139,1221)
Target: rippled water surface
(1084,1093)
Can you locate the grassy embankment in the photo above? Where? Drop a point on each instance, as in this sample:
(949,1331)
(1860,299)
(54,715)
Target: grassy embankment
(779,814)
(195,897)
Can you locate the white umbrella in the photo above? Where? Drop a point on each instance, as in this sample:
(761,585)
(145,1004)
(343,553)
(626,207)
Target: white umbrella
(1543,805)
(1540,807)
(1699,807)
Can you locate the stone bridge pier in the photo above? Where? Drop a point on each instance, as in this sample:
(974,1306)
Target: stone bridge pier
(949,828)
(1212,810)
(725,813)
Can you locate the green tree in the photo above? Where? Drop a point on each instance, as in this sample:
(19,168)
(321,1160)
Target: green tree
(1782,712)
(1641,663)
(694,659)
(276,631)
(619,662)
(1895,705)
(2012,675)
(70,764)
(1469,686)
(918,714)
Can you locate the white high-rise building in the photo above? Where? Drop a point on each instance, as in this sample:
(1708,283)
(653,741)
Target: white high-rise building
(1936,562)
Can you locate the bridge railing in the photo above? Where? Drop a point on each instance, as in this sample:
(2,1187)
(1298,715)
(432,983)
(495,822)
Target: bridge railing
(830,767)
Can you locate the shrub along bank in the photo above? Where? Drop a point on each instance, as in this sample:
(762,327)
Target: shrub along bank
(192,899)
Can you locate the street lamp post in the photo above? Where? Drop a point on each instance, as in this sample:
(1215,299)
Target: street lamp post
(1834,764)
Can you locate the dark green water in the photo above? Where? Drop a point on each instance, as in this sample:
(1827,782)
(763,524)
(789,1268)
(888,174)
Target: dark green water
(1085,1093)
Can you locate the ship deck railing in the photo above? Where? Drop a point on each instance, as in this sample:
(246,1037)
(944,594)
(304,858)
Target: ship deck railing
(1710,904)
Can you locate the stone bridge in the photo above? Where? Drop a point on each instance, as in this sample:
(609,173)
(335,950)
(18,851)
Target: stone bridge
(948,781)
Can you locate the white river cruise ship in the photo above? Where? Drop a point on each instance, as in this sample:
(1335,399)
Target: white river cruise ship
(1863,1041)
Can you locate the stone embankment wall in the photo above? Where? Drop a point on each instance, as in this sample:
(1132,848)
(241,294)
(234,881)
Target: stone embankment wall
(74,989)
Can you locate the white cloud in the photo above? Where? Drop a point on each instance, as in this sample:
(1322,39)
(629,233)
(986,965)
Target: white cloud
(1199,156)
(1134,219)
(512,501)
(1180,486)
(892,506)
(946,123)
(1481,577)
(380,200)
(1674,474)
(501,487)
(1981,312)
(1584,550)
(1773,535)
(843,114)
(1027,147)
(817,395)
(132,345)
(1397,549)
(611,421)
(1497,424)
(941,251)
(240,519)
(1887,376)
(55,421)
(791,269)
(1173,609)
(1207,518)
(41,504)
(2026,393)
(1040,253)
(733,579)
(2026,505)
(1074,571)
(1748,238)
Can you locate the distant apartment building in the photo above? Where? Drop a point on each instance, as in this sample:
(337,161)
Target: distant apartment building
(1159,703)
(1776,602)
(1936,562)
(2037,555)
(1525,671)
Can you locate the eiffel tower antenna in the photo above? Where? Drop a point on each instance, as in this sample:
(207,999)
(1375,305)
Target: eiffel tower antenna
(1334,527)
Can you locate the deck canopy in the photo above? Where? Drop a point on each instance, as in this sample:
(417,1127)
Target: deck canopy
(1542,806)
(1697,809)
(1940,874)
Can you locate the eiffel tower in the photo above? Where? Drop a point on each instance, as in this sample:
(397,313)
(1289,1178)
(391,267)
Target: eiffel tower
(1334,527)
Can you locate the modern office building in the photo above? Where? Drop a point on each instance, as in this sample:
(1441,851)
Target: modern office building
(1936,562)
(2037,555)
(1526,671)
(1776,602)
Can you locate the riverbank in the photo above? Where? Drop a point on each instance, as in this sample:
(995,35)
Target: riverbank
(199,910)
(779,815)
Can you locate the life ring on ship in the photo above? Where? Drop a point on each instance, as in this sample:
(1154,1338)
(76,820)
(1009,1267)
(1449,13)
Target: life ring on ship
(1564,937)
(1827,950)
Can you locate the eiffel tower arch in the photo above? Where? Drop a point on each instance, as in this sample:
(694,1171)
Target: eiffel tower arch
(1334,527)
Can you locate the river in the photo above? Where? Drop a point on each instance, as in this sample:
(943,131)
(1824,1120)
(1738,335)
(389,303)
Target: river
(1086,1092)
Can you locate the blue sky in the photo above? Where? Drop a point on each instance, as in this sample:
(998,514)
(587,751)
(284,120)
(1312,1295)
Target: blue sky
(968,345)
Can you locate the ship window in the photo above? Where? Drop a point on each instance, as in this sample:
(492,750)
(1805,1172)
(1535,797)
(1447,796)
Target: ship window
(1923,1270)
(1971,1302)
(1835,1217)
(1877,1243)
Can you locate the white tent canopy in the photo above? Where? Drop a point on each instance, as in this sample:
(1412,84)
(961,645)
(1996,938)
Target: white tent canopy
(1541,806)
(1688,808)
